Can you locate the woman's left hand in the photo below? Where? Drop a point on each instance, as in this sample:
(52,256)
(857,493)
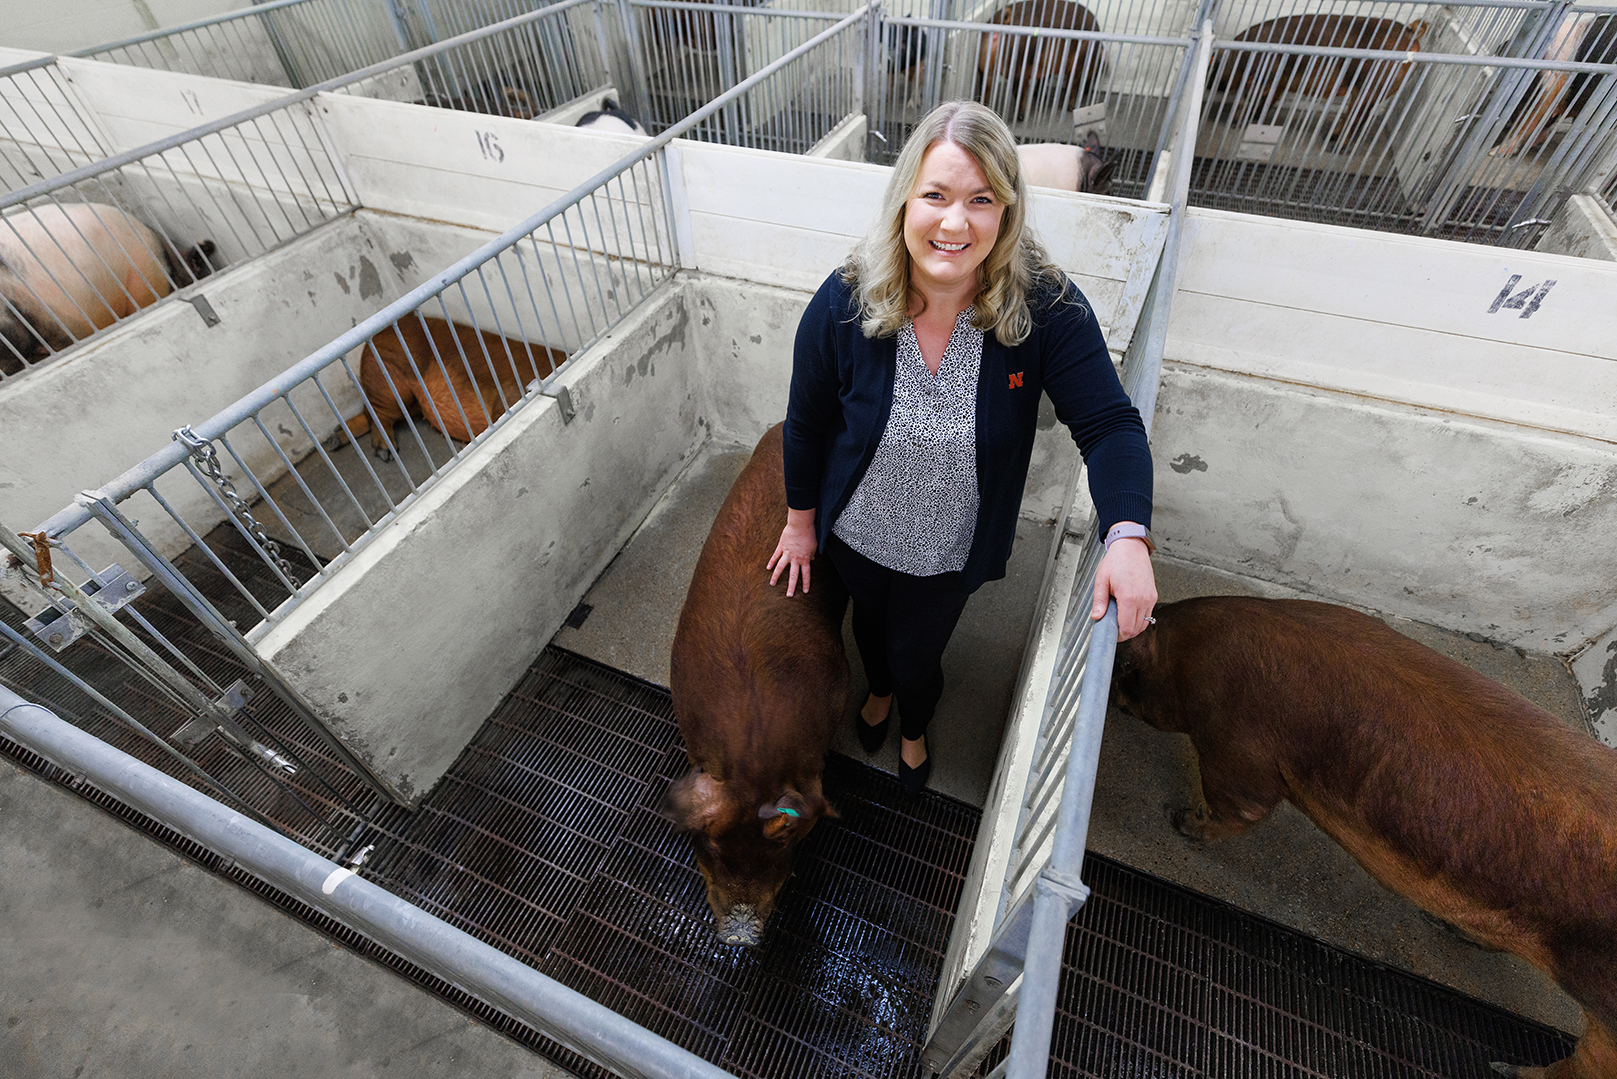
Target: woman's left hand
(1125,572)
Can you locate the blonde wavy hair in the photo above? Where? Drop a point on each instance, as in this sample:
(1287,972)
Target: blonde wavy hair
(879,267)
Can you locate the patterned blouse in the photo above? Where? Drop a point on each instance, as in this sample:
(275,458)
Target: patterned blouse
(915,509)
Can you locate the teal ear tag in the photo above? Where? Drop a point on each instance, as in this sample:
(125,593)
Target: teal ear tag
(794,814)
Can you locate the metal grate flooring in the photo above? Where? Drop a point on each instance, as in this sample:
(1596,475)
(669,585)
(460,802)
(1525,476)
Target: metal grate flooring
(543,842)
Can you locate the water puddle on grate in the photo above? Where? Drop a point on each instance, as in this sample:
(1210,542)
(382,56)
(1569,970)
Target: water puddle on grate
(543,840)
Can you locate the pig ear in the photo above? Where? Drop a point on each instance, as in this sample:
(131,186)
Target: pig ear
(793,811)
(787,812)
(1092,142)
(691,803)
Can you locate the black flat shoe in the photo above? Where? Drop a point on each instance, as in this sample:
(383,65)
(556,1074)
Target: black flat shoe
(872,735)
(913,780)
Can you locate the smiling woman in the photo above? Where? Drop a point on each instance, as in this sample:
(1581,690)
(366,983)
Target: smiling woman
(914,403)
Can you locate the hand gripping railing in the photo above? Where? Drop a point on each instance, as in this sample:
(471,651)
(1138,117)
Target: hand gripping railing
(1017,975)
(592,1030)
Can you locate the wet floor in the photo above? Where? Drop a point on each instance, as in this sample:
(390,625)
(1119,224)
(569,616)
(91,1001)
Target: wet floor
(544,841)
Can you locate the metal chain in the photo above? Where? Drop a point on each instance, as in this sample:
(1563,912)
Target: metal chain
(207,458)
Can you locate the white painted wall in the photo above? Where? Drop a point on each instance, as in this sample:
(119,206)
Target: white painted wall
(1343,414)
(136,105)
(1400,318)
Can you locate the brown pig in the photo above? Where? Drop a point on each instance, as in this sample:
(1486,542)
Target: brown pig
(1451,790)
(759,682)
(467,378)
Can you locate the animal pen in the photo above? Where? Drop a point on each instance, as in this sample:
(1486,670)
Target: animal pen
(601,354)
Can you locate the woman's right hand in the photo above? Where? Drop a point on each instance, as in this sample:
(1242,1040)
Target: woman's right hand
(796,550)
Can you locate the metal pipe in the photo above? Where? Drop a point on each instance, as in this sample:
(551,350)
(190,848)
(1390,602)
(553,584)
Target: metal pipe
(26,65)
(577,1022)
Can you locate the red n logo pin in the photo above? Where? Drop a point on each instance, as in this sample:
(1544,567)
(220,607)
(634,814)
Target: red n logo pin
(1016,381)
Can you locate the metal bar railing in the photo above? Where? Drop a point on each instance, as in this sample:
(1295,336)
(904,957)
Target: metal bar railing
(566,276)
(339,82)
(568,1017)
(1050,84)
(181,207)
(42,124)
(177,714)
(687,53)
(1407,141)
(96,245)
(284,42)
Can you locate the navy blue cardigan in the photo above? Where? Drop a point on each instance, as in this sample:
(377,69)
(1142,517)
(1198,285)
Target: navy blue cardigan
(842,390)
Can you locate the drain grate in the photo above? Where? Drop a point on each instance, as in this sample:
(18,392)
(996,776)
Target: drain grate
(543,841)
(1158,981)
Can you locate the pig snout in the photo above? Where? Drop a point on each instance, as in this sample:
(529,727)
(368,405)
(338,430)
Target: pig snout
(740,926)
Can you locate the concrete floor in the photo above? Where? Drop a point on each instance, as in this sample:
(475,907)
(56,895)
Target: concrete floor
(124,961)
(1285,870)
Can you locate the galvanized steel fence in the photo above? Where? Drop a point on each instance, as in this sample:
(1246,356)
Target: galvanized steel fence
(298,43)
(95,244)
(683,54)
(275,494)
(1401,137)
(1471,120)
(294,43)
(43,130)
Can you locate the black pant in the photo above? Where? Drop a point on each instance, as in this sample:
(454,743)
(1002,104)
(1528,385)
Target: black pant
(901,623)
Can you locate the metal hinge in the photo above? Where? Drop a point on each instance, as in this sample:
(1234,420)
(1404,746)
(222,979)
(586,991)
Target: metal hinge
(565,400)
(112,588)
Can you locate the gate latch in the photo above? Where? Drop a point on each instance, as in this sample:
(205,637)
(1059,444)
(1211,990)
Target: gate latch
(223,720)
